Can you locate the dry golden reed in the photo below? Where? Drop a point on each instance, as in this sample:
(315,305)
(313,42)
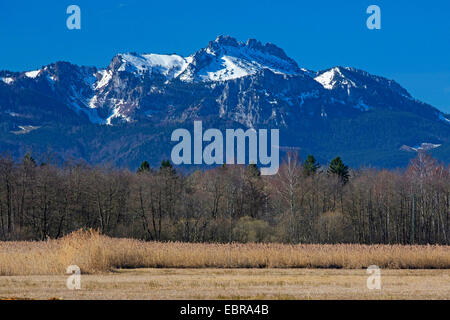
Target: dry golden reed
(95,253)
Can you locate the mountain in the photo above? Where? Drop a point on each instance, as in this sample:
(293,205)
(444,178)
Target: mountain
(124,114)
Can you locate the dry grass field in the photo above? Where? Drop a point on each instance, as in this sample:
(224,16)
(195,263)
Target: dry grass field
(201,284)
(132,269)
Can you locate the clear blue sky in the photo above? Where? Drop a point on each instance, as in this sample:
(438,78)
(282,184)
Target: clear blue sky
(412,47)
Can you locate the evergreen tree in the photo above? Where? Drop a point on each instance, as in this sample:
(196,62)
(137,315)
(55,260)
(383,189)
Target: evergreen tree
(253,170)
(145,167)
(29,160)
(253,192)
(310,166)
(338,168)
(166,166)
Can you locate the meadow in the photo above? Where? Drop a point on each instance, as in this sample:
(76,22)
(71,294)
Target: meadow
(230,284)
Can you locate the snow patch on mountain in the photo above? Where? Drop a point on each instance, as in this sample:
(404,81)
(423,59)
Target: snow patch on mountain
(168,65)
(32,74)
(117,112)
(326,79)
(424,146)
(330,79)
(442,118)
(13,114)
(8,80)
(91,113)
(226,59)
(105,77)
(25,129)
(226,68)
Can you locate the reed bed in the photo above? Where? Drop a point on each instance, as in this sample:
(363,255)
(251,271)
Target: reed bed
(95,253)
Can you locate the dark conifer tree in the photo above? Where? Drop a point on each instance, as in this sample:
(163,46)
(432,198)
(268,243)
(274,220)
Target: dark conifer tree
(310,166)
(167,167)
(253,170)
(338,168)
(144,167)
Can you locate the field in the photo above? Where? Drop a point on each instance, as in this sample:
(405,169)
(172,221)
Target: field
(132,269)
(233,284)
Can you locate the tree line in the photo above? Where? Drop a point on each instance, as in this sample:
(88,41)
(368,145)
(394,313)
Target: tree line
(304,203)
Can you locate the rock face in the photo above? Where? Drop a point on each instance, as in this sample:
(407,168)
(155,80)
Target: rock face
(339,110)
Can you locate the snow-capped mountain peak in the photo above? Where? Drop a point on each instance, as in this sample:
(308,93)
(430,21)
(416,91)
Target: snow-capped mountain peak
(334,77)
(168,65)
(225,58)
(349,79)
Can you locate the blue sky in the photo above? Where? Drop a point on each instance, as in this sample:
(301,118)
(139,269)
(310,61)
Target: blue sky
(412,47)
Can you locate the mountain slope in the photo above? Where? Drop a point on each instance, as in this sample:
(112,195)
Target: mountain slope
(98,113)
